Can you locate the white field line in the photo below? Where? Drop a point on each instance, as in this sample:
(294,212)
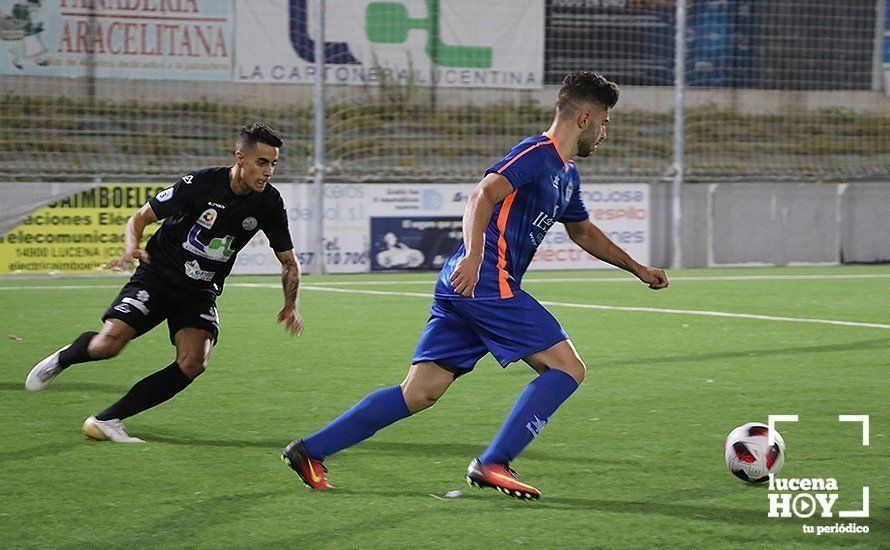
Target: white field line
(705,313)
(629,279)
(631,308)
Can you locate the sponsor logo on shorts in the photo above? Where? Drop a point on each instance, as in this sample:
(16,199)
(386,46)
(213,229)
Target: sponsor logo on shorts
(188,179)
(135,303)
(212,316)
(193,270)
(123,308)
(249,223)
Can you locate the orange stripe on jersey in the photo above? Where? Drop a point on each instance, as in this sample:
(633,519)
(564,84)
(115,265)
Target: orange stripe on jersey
(506,292)
(524,151)
(556,148)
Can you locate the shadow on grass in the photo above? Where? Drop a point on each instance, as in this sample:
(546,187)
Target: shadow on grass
(68,387)
(388,448)
(753,353)
(487,498)
(193,517)
(47,449)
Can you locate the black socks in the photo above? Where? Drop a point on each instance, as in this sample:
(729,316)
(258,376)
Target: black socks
(77,351)
(148,392)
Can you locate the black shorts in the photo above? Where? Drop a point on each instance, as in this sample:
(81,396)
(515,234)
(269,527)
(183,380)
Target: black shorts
(148,299)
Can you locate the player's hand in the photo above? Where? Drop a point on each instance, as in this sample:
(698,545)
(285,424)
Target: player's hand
(466,276)
(289,315)
(125,260)
(654,277)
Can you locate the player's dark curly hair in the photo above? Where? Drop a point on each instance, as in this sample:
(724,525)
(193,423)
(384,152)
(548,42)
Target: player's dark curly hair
(255,133)
(586,86)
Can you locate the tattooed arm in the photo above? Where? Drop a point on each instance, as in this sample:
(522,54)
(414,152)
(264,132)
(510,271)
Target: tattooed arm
(290,282)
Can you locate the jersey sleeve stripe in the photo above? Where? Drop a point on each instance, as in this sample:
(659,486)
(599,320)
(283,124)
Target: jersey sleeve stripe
(524,151)
(503,275)
(556,148)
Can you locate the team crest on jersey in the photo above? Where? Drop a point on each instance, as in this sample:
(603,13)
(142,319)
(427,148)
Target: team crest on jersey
(207,218)
(249,223)
(164,195)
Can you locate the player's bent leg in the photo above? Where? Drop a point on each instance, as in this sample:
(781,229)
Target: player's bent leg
(561,356)
(425,383)
(561,371)
(89,346)
(193,347)
(110,341)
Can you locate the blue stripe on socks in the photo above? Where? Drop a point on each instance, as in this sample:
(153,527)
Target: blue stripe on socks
(533,408)
(376,411)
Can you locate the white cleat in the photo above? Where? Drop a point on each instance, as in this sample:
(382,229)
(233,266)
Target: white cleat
(107,430)
(44,372)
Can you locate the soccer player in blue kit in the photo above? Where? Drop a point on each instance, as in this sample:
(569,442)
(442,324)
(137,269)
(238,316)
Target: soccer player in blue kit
(479,307)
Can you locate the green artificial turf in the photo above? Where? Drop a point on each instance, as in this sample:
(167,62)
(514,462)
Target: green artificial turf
(633,459)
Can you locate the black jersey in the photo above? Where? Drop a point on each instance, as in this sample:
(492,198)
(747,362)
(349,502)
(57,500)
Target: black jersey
(206,224)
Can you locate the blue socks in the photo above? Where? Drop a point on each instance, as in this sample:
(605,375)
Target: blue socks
(533,408)
(376,411)
(530,414)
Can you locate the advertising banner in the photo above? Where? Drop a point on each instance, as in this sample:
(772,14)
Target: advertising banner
(414,243)
(621,211)
(458,43)
(134,39)
(367,227)
(75,235)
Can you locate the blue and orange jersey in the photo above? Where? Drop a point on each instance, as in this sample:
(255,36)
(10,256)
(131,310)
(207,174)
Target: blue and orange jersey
(546,189)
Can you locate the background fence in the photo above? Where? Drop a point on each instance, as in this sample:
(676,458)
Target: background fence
(436,90)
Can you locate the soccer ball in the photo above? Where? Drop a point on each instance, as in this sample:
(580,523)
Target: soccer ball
(749,455)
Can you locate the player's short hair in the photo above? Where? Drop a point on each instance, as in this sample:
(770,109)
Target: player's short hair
(255,133)
(586,87)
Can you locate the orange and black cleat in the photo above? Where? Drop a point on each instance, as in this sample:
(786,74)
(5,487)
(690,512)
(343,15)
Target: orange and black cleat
(310,470)
(500,477)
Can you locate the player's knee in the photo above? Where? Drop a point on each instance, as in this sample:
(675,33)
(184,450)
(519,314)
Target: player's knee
(105,347)
(575,369)
(192,365)
(581,372)
(419,399)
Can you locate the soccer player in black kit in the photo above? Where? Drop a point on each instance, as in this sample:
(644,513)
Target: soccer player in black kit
(209,215)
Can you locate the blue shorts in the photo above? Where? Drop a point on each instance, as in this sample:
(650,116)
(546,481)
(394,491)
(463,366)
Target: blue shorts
(461,331)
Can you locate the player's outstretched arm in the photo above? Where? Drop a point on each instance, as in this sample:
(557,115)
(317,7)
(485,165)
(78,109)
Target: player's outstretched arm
(595,242)
(493,189)
(132,235)
(290,282)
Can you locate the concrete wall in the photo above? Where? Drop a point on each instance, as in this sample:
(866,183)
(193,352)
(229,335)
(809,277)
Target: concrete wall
(865,227)
(778,224)
(722,224)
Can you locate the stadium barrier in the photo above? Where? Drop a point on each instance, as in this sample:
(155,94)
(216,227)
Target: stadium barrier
(375,227)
